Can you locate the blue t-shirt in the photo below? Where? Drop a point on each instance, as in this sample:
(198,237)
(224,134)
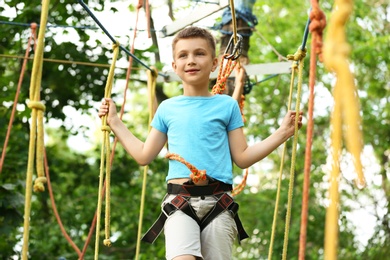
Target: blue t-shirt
(197,130)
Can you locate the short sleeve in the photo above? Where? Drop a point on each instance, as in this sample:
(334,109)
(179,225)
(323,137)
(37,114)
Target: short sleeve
(158,121)
(235,118)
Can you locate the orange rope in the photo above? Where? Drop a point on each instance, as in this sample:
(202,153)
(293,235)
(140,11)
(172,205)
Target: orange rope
(241,104)
(33,36)
(223,74)
(147,14)
(53,204)
(316,27)
(196,175)
(240,187)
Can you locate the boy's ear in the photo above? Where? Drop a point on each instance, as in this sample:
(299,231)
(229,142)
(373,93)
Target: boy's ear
(173,65)
(215,64)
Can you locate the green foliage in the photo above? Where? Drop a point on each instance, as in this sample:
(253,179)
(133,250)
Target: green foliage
(74,175)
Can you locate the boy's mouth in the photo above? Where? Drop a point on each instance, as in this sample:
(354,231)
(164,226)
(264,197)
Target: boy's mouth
(191,70)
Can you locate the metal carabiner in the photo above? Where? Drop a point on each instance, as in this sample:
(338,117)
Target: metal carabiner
(236,49)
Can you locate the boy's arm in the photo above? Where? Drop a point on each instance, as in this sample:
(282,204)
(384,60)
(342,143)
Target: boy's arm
(245,156)
(142,152)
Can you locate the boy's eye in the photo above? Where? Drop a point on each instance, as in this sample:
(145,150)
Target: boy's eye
(200,53)
(183,55)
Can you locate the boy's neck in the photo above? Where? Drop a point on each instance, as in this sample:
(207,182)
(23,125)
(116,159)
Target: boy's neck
(192,91)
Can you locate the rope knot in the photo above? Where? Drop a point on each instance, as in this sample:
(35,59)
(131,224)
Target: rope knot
(36,105)
(198,175)
(105,128)
(39,184)
(299,55)
(317,21)
(317,26)
(115,45)
(107,242)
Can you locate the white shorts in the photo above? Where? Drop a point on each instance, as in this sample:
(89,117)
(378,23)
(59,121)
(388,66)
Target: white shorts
(183,236)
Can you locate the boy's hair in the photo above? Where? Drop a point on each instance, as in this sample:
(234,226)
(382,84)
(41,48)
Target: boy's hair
(195,32)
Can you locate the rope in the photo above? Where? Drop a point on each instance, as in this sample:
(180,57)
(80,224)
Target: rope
(298,57)
(196,175)
(152,80)
(36,143)
(48,25)
(105,162)
(272,239)
(147,14)
(223,74)
(346,107)
(240,187)
(53,204)
(234,20)
(297,65)
(317,25)
(91,64)
(32,38)
(129,69)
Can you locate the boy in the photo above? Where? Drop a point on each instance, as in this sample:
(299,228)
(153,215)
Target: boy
(206,131)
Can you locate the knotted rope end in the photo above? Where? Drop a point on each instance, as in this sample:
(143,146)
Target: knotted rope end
(107,242)
(39,184)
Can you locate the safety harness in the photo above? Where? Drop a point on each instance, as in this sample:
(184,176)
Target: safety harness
(181,202)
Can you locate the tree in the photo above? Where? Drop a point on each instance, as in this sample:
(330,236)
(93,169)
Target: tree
(74,174)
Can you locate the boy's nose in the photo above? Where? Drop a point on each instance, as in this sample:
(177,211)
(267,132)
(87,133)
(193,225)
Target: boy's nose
(191,59)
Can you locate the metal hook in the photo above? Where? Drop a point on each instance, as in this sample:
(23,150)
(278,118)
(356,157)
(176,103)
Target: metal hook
(236,49)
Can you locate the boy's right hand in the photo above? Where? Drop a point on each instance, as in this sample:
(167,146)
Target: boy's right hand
(108,108)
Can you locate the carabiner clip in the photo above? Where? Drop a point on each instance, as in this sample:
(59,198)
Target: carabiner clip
(236,49)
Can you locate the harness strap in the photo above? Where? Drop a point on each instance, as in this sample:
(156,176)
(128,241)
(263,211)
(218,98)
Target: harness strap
(212,188)
(180,202)
(225,202)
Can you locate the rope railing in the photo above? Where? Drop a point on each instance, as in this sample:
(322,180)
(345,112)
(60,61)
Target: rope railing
(316,26)
(297,59)
(36,143)
(49,25)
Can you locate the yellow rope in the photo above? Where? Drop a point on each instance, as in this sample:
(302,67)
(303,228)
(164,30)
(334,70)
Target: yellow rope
(272,239)
(298,57)
(105,164)
(346,107)
(332,213)
(36,130)
(152,80)
(298,62)
(234,22)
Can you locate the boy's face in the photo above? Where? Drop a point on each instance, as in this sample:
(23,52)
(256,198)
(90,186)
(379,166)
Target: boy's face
(193,60)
